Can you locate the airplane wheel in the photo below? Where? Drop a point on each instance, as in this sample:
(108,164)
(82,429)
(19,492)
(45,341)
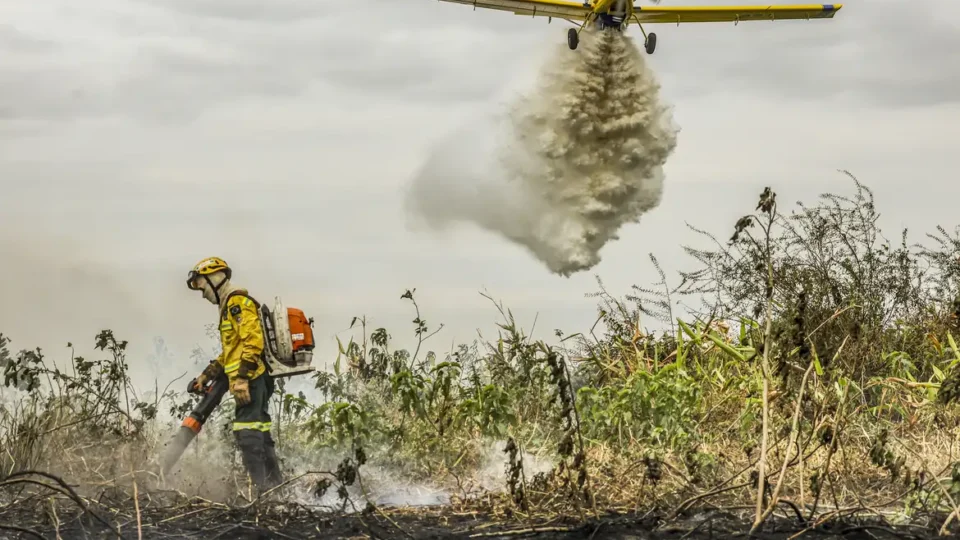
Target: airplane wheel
(573,39)
(651,43)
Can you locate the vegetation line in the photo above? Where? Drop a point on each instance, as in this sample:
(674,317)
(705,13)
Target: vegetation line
(805,362)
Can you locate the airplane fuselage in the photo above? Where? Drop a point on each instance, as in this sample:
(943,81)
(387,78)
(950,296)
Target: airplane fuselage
(613,13)
(605,20)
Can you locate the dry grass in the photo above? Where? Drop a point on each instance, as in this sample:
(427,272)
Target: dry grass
(617,419)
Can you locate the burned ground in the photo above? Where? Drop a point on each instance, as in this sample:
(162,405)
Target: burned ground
(206,521)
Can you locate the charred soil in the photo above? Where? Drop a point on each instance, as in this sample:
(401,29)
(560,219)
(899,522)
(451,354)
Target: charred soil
(209,521)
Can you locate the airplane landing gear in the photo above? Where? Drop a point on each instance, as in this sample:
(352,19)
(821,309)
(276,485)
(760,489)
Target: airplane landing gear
(649,40)
(573,39)
(650,43)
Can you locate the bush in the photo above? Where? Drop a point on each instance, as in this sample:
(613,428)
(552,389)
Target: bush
(816,347)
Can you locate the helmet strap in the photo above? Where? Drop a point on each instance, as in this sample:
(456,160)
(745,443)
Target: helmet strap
(216,289)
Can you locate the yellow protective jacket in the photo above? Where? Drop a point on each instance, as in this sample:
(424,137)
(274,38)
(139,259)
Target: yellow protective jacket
(241,337)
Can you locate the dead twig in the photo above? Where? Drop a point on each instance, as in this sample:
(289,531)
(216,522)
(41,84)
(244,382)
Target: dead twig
(136,505)
(794,432)
(286,483)
(18,478)
(520,532)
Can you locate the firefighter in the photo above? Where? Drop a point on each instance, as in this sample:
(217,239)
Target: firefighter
(242,360)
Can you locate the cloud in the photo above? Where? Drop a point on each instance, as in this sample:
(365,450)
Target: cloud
(250,10)
(168,62)
(163,62)
(882,51)
(16,41)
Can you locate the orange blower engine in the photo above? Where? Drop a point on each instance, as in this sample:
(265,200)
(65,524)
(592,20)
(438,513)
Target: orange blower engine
(288,334)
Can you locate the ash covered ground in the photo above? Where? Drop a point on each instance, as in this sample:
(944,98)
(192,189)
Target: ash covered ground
(295,522)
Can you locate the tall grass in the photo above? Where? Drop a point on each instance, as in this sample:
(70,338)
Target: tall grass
(813,371)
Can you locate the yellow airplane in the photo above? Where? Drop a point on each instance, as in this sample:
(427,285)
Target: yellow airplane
(618,14)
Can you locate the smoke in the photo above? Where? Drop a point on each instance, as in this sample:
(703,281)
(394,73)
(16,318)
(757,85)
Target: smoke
(51,288)
(390,485)
(583,156)
(56,291)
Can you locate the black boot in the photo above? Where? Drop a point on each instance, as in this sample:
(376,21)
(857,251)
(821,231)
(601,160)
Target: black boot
(271,464)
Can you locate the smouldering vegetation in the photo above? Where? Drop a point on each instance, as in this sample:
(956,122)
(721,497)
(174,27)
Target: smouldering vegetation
(810,373)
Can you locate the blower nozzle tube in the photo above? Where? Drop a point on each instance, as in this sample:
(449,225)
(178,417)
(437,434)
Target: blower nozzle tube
(193,422)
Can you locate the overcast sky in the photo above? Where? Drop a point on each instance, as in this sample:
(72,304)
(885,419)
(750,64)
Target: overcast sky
(138,136)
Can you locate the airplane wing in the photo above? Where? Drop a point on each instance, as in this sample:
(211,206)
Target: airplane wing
(561,9)
(681,14)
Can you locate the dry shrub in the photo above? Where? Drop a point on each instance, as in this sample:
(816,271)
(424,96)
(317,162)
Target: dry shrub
(850,335)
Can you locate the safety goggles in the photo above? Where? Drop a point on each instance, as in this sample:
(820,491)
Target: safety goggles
(194,282)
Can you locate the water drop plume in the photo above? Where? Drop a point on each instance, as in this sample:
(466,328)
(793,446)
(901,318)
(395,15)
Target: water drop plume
(571,162)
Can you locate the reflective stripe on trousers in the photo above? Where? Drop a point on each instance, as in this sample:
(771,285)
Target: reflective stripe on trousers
(256,426)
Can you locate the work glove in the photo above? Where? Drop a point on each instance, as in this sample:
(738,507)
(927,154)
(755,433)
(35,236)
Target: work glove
(240,388)
(196,385)
(212,371)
